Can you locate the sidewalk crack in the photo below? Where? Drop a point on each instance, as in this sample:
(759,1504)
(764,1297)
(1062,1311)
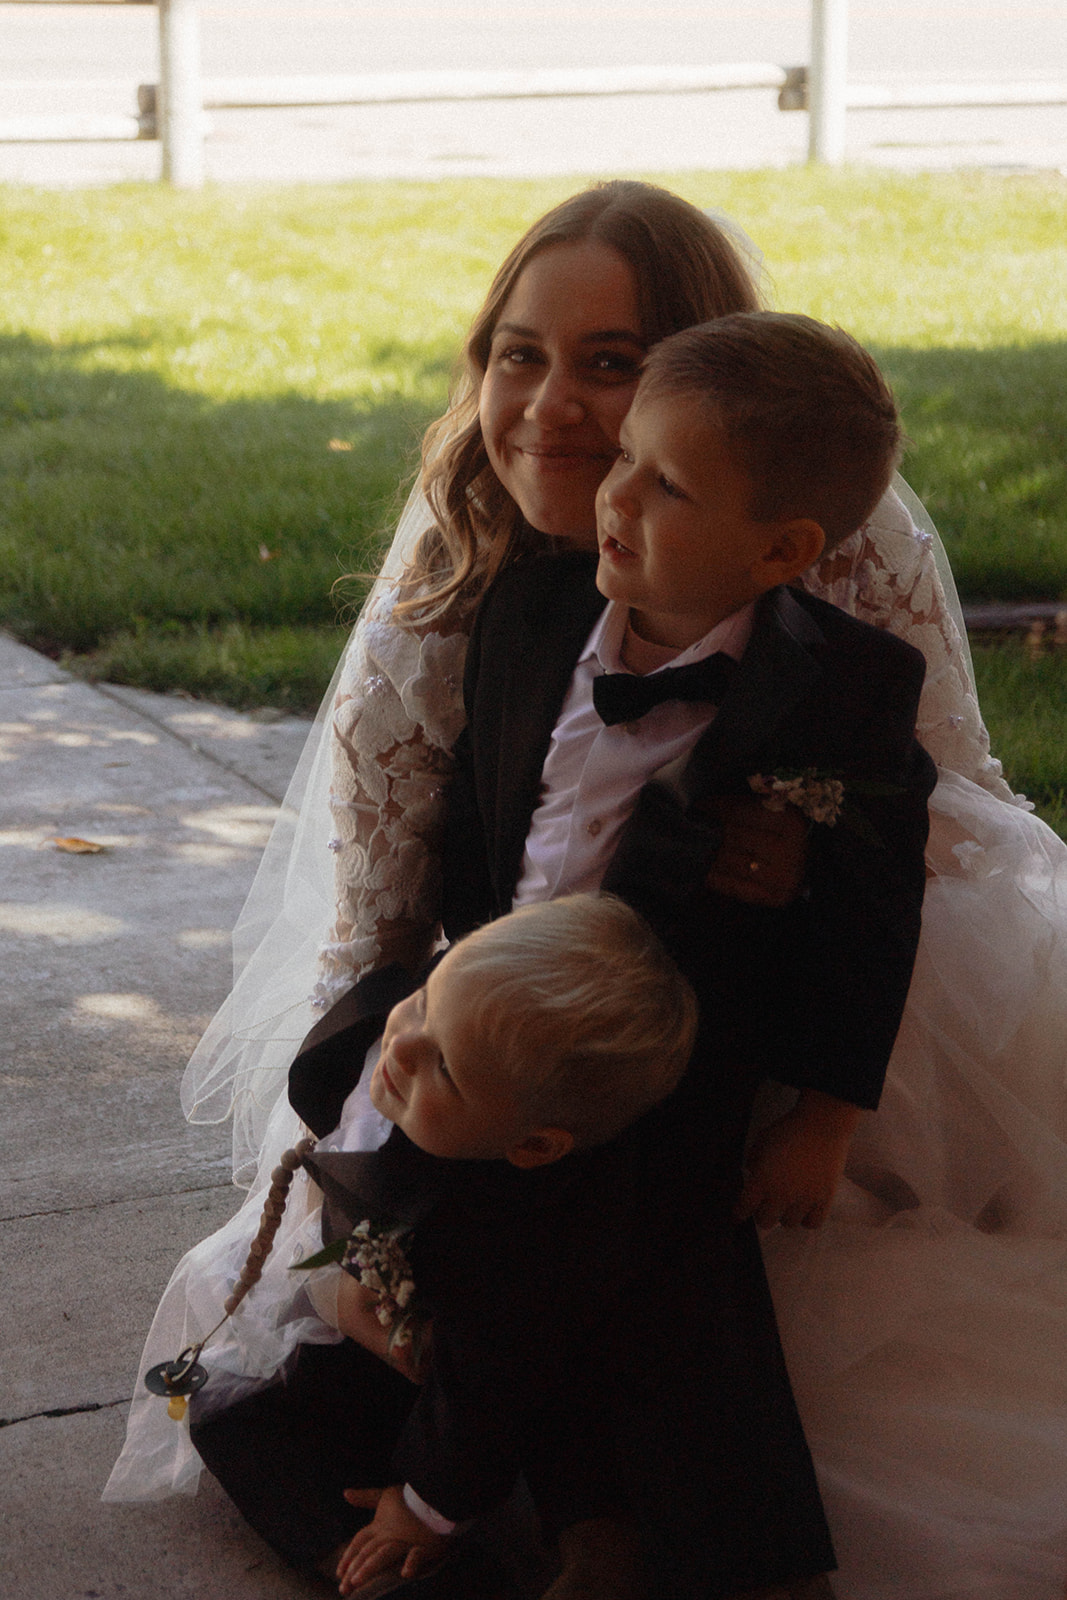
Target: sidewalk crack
(119,1200)
(66,1411)
(194,745)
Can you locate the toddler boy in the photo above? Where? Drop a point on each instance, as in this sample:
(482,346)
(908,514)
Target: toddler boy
(541,1036)
(544,1034)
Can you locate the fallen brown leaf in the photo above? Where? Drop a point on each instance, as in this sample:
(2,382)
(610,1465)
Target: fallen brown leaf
(78,847)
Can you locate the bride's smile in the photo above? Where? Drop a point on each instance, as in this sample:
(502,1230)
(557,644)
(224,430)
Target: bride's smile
(562,370)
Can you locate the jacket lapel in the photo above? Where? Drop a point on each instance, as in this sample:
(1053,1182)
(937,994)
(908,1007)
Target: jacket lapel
(778,669)
(396,1186)
(551,625)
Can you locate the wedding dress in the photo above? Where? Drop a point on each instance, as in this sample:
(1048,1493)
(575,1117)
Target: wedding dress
(925,1323)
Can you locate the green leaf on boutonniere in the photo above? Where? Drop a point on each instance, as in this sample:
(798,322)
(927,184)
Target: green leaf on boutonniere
(321,1258)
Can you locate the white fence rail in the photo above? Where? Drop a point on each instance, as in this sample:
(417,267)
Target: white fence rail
(392,88)
(174,110)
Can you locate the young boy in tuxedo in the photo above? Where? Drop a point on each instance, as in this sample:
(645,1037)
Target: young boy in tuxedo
(753,444)
(536,1039)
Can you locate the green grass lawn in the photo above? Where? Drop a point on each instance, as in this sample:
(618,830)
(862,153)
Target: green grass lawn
(207,401)
(1024,702)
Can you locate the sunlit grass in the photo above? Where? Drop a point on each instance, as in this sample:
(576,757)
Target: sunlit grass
(207,400)
(1024,702)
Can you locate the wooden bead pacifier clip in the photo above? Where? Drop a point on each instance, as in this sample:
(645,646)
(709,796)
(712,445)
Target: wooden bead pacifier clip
(176,1380)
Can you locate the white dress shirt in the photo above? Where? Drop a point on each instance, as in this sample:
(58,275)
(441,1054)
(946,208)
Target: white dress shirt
(593,773)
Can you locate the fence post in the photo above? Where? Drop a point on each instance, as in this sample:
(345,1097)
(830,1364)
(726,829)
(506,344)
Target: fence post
(828,81)
(180,101)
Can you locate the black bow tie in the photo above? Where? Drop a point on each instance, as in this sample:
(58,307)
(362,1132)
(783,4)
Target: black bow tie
(624,697)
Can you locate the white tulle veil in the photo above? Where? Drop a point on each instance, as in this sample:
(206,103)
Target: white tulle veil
(240,1066)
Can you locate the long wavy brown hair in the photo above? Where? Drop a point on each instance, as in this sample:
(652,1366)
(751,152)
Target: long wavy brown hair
(686,270)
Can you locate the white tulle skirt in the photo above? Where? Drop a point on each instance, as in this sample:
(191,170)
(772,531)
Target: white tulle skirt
(925,1325)
(158,1458)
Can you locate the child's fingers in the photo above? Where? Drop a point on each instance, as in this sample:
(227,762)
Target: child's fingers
(351,1551)
(350,1560)
(418,1558)
(378,1556)
(368,1498)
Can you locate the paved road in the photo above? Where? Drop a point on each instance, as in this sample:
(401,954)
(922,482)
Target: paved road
(955,38)
(100,53)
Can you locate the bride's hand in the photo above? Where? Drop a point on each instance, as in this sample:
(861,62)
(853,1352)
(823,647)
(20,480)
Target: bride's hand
(793,1167)
(763,855)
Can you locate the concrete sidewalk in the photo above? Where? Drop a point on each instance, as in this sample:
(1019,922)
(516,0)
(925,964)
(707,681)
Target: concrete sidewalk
(110,966)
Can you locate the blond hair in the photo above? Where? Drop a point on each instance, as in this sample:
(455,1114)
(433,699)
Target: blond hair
(686,269)
(803,406)
(582,1010)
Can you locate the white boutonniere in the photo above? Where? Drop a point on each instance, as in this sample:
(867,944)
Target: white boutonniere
(823,797)
(817,795)
(374,1254)
(376,1257)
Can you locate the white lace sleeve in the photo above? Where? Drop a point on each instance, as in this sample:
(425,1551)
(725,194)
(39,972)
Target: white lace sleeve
(348,878)
(398,710)
(887,574)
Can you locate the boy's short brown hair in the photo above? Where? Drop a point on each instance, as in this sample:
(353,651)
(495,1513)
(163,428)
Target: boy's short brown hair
(804,406)
(588,1017)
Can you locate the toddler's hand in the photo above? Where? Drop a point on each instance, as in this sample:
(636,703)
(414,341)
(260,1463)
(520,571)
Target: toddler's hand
(357,1318)
(396,1541)
(795,1165)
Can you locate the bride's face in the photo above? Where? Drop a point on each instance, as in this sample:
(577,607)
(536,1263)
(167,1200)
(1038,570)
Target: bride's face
(563,366)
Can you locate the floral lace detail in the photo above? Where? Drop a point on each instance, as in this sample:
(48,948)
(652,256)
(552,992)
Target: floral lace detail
(398,711)
(886,574)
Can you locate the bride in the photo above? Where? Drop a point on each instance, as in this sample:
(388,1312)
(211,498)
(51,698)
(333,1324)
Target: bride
(923,1322)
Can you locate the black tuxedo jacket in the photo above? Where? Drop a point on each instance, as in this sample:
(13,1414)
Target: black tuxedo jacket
(812,993)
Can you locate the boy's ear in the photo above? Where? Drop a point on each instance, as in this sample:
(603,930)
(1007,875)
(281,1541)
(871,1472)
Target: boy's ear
(793,547)
(540,1149)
